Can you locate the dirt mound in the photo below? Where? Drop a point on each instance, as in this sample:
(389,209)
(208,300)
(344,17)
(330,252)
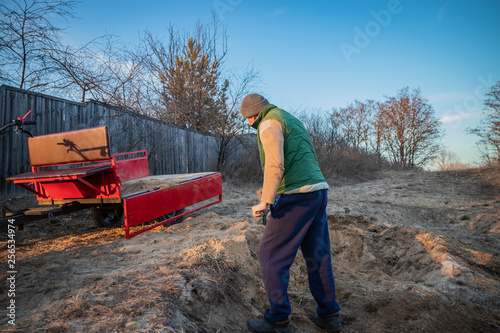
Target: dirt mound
(403,279)
(404,261)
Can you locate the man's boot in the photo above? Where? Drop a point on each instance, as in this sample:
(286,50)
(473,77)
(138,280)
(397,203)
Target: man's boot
(262,326)
(330,322)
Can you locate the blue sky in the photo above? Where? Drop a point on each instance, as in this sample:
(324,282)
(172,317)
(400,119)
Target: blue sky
(317,55)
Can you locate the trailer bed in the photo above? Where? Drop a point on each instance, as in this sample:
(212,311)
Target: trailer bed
(185,190)
(117,187)
(152,183)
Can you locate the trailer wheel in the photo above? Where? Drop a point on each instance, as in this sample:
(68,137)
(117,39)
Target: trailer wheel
(108,216)
(169,216)
(177,212)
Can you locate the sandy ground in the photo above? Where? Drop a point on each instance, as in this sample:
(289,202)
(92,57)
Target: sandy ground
(412,252)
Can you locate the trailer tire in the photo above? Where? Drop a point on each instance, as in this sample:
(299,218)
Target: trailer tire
(177,212)
(108,216)
(168,216)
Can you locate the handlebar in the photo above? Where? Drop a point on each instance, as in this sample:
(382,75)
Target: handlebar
(19,123)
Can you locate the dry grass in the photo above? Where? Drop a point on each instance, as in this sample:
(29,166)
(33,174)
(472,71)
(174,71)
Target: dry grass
(76,306)
(169,288)
(490,173)
(58,328)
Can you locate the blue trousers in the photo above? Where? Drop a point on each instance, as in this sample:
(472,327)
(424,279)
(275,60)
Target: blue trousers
(297,220)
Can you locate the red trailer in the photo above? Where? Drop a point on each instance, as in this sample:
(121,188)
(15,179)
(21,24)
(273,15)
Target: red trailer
(75,170)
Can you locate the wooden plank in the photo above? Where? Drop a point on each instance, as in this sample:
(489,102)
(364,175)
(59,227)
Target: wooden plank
(42,210)
(70,147)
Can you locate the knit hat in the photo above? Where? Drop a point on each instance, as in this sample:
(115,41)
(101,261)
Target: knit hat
(252,105)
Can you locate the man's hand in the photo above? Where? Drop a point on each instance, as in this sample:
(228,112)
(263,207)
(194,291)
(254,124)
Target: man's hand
(260,209)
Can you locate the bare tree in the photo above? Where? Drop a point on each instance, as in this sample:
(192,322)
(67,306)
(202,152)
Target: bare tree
(448,160)
(196,91)
(489,128)
(26,32)
(229,125)
(122,67)
(378,127)
(321,132)
(410,134)
(107,70)
(354,123)
(78,76)
(337,156)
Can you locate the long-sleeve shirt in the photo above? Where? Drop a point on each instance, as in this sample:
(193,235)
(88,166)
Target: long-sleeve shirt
(272,138)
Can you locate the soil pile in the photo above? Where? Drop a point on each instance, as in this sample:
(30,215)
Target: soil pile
(412,252)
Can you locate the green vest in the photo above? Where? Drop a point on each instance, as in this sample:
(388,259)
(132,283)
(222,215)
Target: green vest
(301,162)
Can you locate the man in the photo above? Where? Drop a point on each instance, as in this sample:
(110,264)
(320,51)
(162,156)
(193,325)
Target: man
(295,192)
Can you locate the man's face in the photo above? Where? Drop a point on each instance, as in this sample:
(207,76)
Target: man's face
(252,119)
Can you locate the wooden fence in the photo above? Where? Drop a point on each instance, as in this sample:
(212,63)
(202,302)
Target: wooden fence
(170,149)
